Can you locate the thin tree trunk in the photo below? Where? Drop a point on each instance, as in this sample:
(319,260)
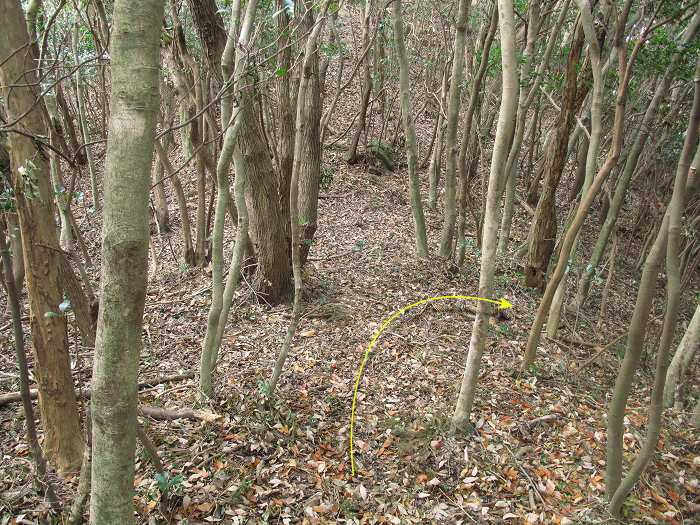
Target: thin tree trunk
(631,163)
(15,308)
(304,114)
(504,131)
(435,167)
(409,127)
(351,156)
(125,231)
(456,157)
(572,231)
(616,489)
(80,96)
(233,62)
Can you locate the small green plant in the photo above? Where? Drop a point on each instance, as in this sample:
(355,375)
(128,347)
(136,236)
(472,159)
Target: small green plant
(326,178)
(359,246)
(169,485)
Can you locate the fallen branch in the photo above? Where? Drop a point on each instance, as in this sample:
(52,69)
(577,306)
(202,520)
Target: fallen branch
(14,397)
(170,414)
(599,352)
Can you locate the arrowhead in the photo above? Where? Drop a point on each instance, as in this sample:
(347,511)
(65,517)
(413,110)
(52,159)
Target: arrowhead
(504,304)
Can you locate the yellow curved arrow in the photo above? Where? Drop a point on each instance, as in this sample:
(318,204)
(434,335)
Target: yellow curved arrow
(502,304)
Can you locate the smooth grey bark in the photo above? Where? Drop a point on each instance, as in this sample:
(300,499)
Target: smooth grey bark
(681,361)
(666,242)
(504,130)
(233,64)
(451,143)
(421,241)
(631,163)
(134,111)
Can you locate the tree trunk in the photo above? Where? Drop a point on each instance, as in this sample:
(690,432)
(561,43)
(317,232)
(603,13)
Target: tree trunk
(267,224)
(435,167)
(504,131)
(232,62)
(409,127)
(571,233)
(134,111)
(310,168)
(210,28)
(34,196)
(82,119)
(543,231)
(309,70)
(666,242)
(631,163)
(682,360)
(287,112)
(14,304)
(351,156)
(457,157)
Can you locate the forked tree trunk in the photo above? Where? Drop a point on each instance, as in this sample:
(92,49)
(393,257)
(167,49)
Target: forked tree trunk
(504,131)
(304,113)
(409,127)
(232,64)
(134,111)
(632,161)
(569,237)
(32,187)
(351,156)
(666,242)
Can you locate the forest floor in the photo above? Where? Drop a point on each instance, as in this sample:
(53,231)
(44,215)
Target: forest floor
(536,455)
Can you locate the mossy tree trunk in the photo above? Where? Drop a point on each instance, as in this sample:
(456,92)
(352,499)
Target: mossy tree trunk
(125,231)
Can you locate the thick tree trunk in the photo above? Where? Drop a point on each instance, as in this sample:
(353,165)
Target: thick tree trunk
(504,131)
(210,28)
(34,196)
(543,231)
(310,167)
(125,231)
(267,224)
(287,112)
